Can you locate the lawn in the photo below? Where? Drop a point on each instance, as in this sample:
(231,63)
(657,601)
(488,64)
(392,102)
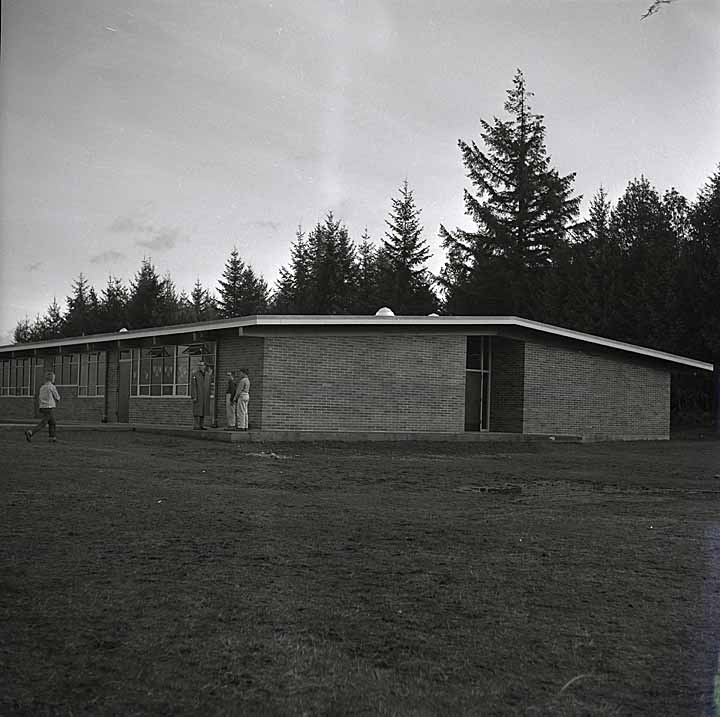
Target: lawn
(143,575)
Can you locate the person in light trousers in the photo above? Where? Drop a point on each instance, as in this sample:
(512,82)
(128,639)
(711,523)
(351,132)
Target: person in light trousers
(48,398)
(243,399)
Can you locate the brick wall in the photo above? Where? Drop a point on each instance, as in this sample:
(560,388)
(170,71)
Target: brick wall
(507,385)
(71,407)
(17,408)
(392,382)
(236,352)
(161,410)
(598,395)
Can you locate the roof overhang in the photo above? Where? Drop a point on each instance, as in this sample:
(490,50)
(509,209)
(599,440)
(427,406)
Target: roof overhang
(486,324)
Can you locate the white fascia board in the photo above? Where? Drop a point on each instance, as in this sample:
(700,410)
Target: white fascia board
(368,321)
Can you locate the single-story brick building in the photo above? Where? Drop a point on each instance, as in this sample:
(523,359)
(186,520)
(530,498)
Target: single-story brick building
(449,374)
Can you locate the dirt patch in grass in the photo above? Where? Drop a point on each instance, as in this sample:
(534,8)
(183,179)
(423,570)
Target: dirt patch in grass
(148,575)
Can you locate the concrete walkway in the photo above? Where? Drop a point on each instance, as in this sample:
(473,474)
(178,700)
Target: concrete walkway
(271,436)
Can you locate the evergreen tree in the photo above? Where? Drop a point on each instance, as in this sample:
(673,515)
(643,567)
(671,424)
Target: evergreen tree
(705,232)
(648,303)
(82,309)
(202,306)
(333,271)
(368,299)
(524,212)
(113,306)
(23,333)
(148,293)
(293,289)
(52,326)
(703,269)
(256,295)
(230,289)
(407,253)
(242,291)
(600,265)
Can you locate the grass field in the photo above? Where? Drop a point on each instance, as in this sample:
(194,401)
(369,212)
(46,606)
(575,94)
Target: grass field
(143,575)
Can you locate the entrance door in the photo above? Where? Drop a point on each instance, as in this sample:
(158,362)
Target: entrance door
(473,401)
(123,408)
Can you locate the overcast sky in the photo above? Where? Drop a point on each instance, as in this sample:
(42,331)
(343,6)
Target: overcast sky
(177,129)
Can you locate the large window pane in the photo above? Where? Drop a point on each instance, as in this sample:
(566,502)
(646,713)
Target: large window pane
(145,371)
(474,352)
(65,381)
(169,368)
(73,380)
(102,369)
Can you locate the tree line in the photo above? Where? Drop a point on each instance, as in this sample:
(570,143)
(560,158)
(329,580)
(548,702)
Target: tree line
(643,269)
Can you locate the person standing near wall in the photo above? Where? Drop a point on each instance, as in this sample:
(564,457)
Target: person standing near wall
(48,397)
(231,402)
(200,385)
(243,399)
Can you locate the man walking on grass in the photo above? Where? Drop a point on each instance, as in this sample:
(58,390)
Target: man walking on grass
(48,398)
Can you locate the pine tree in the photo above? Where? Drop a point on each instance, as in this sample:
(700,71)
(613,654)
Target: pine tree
(113,306)
(147,295)
(293,287)
(53,322)
(256,295)
(407,254)
(648,302)
(704,267)
(202,306)
(601,263)
(524,212)
(368,299)
(705,232)
(230,289)
(23,333)
(333,270)
(242,291)
(82,307)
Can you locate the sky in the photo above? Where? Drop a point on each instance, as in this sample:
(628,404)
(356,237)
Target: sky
(179,129)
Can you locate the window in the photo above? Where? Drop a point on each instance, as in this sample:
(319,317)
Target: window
(477,383)
(17,377)
(166,370)
(65,368)
(92,374)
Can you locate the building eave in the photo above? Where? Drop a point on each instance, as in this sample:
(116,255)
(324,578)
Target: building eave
(299,321)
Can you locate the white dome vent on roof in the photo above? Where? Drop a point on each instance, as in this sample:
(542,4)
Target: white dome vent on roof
(122,331)
(384,312)
(433,314)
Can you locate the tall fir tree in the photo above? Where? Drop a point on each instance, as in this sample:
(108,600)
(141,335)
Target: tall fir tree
(202,305)
(524,210)
(600,262)
(333,270)
(82,309)
(147,295)
(369,294)
(292,293)
(113,306)
(53,322)
(704,267)
(242,292)
(230,286)
(408,279)
(648,302)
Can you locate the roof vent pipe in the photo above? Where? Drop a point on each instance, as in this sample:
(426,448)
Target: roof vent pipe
(384,312)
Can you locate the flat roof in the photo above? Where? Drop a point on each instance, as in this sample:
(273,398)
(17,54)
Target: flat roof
(299,321)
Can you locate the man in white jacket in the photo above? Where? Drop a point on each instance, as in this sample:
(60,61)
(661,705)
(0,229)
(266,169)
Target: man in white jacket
(48,397)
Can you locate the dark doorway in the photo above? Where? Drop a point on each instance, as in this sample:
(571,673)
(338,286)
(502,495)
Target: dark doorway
(123,406)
